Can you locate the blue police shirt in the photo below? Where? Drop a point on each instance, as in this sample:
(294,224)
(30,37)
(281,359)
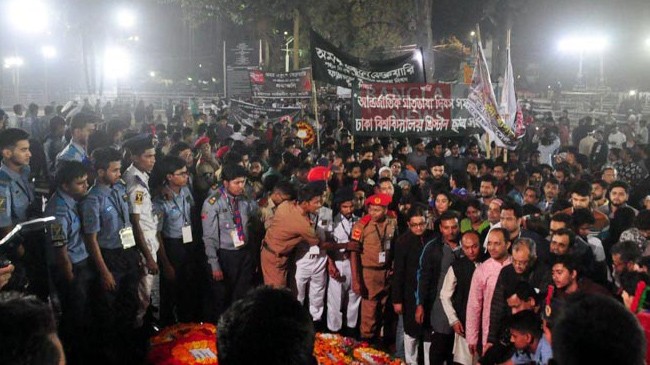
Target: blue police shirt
(16,196)
(66,229)
(73,152)
(105,211)
(174,213)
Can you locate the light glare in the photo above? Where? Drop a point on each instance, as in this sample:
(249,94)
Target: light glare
(126,18)
(583,44)
(28,16)
(118,63)
(48,52)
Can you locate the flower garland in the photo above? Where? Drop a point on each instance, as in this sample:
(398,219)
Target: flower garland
(195,343)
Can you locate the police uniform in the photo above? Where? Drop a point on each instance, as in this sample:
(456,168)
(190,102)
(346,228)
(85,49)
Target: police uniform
(176,230)
(338,291)
(311,265)
(375,240)
(18,203)
(137,186)
(267,209)
(65,234)
(73,152)
(105,212)
(226,236)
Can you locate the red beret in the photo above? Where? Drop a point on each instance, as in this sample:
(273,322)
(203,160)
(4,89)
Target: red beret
(201,141)
(379,199)
(222,151)
(319,173)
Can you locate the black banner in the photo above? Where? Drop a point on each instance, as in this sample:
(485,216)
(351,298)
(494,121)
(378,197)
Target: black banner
(247,113)
(278,85)
(331,65)
(412,109)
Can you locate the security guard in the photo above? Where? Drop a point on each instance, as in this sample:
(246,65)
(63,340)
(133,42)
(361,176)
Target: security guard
(68,259)
(374,233)
(18,203)
(81,126)
(111,246)
(226,217)
(174,202)
(339,288)
(144,221)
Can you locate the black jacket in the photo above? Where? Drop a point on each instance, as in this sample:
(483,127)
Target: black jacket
(408,251)
(539,277)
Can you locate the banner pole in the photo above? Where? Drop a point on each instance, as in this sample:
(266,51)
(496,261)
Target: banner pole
(488,148)
(315,106)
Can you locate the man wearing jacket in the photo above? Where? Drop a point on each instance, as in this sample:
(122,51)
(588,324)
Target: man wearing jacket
(437,256)
(408,251)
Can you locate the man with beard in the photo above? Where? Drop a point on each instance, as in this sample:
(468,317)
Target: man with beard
(408,250)
(619,192)
(455,292)
(437,257)
(598,190)
(581,198)
(551,189)
(418,157)
(488,189)
(438,181)
(511,220)
(525,267)
(255,177)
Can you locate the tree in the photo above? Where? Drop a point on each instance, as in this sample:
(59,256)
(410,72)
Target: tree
(363,28)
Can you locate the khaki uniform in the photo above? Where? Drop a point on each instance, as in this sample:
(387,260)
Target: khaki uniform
(267,210)
(376,240)
(289,227)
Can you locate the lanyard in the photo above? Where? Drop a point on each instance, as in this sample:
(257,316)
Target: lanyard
(381,237)
(185,219)
(229,205)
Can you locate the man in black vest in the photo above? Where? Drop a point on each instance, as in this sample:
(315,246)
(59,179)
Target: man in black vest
(455,291)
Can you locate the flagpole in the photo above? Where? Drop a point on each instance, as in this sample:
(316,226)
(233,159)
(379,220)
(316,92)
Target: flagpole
(315,107)
(488,147)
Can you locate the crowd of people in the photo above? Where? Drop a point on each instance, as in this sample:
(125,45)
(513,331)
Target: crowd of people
(448,249)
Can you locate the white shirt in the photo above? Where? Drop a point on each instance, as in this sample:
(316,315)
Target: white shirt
(137,183)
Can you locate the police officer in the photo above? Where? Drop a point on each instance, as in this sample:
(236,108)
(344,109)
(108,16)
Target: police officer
(68,259)
(282,191)
(18,203)
(226,216)
(81,127)
(174,202)
(339,289)
(111,246)
(374,233)
(144,221)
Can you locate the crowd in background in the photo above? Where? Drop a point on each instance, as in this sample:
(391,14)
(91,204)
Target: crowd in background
(444,249)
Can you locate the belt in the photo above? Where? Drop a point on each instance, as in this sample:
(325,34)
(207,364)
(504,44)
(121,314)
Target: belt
(375,268)
(268,248)
(340,256)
